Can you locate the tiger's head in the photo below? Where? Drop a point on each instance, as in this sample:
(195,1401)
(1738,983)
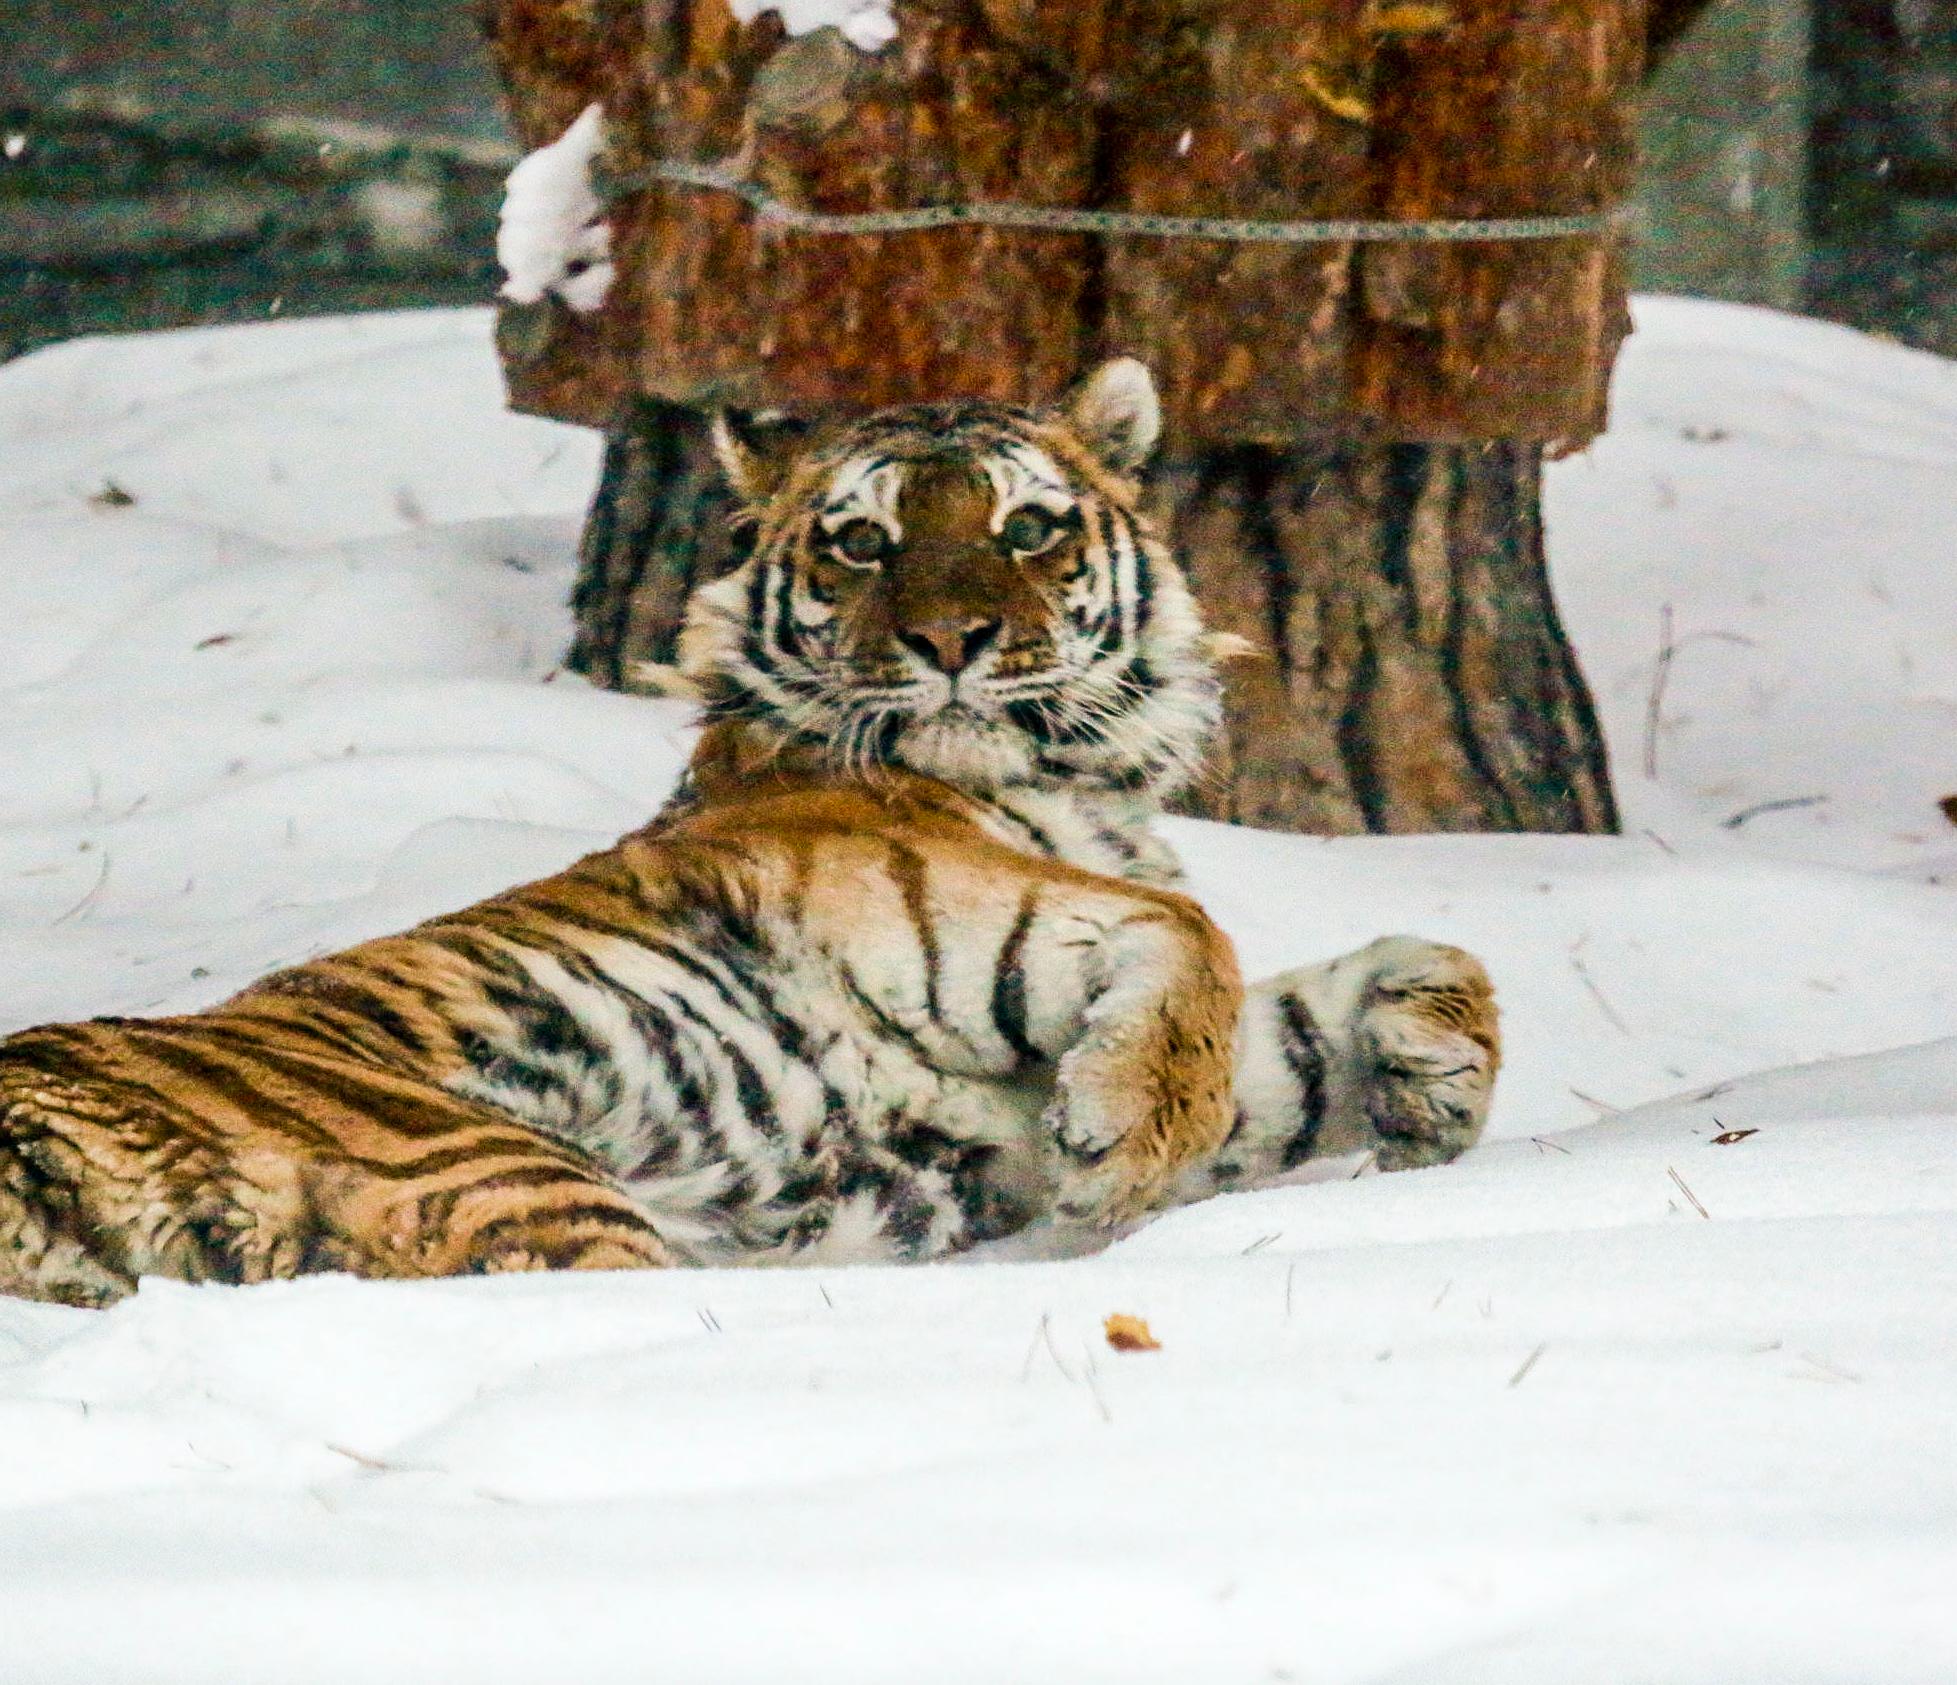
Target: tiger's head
(966,590)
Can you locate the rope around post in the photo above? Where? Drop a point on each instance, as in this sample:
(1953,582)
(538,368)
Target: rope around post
(1053,219)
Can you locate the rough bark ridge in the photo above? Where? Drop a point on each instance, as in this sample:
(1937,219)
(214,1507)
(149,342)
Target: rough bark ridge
(1411,672)
(659,526)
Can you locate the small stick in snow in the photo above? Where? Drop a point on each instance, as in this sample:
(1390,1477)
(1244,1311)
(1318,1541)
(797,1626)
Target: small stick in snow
(1528,1363)
(1262,1241)
(1551,1146)
(1043,1335)
(1689,1194)
(1654,703)
(379,1465)
(1831,1371)
(1592,1100)
(88,900)
(708,1320)
(1596,994)
(831,1303)
(1032,1350)
(1053,1351)
(1094,1388)
(1661,673)
(1786,803)
(1442,1294)
(1290,1277)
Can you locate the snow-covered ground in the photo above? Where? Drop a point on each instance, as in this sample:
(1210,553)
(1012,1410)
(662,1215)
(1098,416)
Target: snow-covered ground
(1618,1397)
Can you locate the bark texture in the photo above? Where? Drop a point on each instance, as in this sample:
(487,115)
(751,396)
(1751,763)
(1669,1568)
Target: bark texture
(658,527)
(1218,107)
(1411,671)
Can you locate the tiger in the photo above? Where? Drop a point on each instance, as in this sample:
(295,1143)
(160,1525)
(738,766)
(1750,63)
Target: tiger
(900,969)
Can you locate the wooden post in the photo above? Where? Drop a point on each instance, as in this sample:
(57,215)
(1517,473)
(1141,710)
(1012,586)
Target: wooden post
(1411,674)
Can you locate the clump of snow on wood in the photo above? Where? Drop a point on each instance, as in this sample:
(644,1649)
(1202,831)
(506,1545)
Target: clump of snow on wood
(1661,1371)
(866,24)
(551,236)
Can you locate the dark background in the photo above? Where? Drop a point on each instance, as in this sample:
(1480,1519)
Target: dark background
(197,161)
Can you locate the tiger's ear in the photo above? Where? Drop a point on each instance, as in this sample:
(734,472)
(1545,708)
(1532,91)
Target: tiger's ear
(756,451)
(1117,414)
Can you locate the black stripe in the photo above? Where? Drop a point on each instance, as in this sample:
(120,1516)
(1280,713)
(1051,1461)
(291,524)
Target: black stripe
(1009,983)
(227,1084)
(1039,838)
(533,1226)
(787,640)
(357,1092)
(1034,716)
(1303,1048)
(876,1014)
(756,1097)
(908,868)
(658,1034)
(1144,584)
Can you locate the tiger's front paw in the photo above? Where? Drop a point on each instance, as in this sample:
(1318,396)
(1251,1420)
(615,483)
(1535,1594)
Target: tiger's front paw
(1127,1122)
(1426,1043)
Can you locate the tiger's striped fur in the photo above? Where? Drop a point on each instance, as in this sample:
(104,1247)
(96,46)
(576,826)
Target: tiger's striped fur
(901,967)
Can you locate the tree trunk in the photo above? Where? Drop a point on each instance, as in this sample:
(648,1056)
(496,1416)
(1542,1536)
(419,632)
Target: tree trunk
(658,527)
(1411,673)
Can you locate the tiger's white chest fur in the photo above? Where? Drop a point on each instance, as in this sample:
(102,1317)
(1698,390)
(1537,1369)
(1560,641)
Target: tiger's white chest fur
(1104,831)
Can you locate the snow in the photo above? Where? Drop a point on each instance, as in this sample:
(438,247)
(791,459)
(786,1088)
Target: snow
(1533,1417)
(551,236)
(865,24)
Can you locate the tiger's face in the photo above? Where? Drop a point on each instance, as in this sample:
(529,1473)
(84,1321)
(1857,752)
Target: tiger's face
(965,590)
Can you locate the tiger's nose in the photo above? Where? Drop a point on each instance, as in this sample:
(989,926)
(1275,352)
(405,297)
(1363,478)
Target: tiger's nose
(950,645)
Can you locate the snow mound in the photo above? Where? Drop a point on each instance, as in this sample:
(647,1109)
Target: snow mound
(867,25)
(551,235)
(1645,1375)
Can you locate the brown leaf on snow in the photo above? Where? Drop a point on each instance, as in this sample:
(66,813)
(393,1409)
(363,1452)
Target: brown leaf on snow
(1732,1135)
(1130,1334)
(1948,807)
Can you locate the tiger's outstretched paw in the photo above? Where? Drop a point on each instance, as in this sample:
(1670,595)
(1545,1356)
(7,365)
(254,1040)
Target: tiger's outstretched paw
(1426,1045)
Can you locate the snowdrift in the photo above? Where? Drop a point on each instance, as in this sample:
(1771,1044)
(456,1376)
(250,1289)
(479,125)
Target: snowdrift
(1656,1384)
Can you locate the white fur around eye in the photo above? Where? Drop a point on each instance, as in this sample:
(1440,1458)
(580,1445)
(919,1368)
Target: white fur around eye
(865,488)
(1023,475)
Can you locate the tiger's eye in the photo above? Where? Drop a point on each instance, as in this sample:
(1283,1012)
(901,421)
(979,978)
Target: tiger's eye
(863,544)
(1029,530)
